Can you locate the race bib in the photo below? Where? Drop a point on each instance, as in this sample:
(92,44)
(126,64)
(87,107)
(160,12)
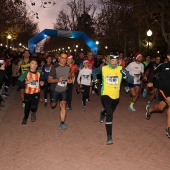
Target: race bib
(112,80)
(63,83)
(47,69)
(33,84)
(137,77)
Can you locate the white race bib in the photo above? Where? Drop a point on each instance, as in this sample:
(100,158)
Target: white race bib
(112,80)
(33,84)
(63,83)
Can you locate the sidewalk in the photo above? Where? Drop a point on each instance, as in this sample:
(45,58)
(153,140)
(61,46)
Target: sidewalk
(139,144)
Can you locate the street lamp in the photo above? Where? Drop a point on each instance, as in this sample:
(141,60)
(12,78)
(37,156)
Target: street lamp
(20,44)
(8,41)
(149,34)
(97,42)
(77,46)
(106,47)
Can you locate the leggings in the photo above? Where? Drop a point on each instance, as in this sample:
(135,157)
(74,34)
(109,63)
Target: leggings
(31,103)
(110,106)
(85,91)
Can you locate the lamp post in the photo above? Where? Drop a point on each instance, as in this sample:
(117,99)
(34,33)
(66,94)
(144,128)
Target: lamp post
(149,34)
(8,41)
(97,42)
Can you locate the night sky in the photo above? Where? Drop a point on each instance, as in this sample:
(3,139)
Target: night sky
(47,16)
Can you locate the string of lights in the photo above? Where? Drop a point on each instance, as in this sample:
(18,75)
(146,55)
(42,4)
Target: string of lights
(52,3)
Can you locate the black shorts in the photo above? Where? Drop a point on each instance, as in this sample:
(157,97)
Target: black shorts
(163,94)
(133,85)
(22,87)
(55,96)
(156,83)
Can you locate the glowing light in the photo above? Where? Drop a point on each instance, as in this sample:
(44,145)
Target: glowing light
(149,33)
(9,37)
(97,42)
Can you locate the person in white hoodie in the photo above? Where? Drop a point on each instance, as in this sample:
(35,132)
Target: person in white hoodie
(84,79)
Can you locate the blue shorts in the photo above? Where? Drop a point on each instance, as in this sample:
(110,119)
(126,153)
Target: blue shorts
(134,85)
(55,96)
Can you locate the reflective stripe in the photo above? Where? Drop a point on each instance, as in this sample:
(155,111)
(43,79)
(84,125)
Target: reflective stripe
(163,94)
(108,123)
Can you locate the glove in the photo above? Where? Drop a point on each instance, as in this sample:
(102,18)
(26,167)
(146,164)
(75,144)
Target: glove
(96,87)
(123,74)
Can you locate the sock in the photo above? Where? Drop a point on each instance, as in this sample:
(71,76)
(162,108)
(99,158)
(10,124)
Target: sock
(62,122)
(131,104)
(109,129)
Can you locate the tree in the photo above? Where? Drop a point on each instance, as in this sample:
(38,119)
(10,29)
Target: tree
(16,21)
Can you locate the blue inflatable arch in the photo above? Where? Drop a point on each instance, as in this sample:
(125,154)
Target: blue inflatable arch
(62,33)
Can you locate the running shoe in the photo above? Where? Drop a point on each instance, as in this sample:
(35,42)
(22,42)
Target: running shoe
(88,100)
(62,126)
(93,92)
(69,108)
(168,132)
(148,103)
(4,95)
(33,116)
(131,108)
(84,108)
(41,101)
(102,115)
(148,114)
(109,140)
(127,89)
(45,102)
(24,121)
(144,93)
(77,92)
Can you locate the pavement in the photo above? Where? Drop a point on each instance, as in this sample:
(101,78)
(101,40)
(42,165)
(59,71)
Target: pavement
(138,144)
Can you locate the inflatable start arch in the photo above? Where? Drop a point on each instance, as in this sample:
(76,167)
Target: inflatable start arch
(62,33)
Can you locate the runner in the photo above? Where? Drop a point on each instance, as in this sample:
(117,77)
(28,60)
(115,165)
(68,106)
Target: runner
(32,81)
(164,92)
(136,69)
(58,77)
(71,80)
(110,91)
(153,91)
(45,72)
(85,82)
(22,67)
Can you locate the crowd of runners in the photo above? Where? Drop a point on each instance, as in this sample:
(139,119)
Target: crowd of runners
(38,76)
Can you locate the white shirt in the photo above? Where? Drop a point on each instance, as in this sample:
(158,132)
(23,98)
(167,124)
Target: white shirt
(84,76)
(135,70)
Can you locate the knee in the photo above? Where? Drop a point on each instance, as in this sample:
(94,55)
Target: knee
(53,106)
(133,95)
(161,107)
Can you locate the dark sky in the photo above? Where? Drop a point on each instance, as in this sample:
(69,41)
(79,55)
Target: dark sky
(47,16)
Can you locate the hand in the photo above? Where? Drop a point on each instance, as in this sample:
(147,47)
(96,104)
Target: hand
(144,78)
(96,88)
(30,81)
(2,67)
(59,79)
(123,74)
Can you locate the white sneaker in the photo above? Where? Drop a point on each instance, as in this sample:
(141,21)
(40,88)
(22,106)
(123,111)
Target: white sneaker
(131,108)
(127,89)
